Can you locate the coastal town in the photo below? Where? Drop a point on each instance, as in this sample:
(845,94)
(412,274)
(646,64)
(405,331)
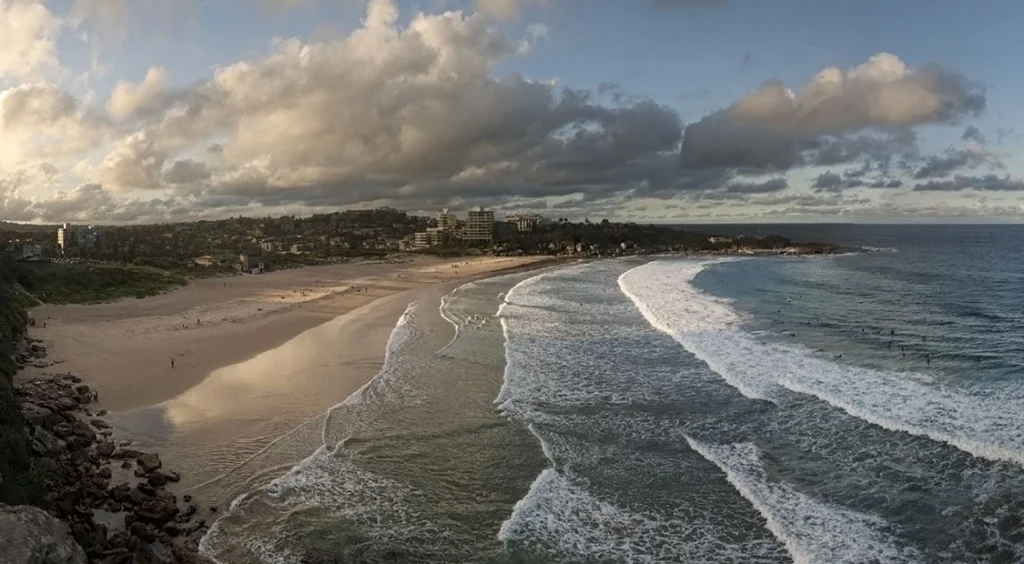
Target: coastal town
(255,245)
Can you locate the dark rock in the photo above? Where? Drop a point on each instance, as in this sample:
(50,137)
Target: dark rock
(114,507)
(146,489)
(105,448)
(101,412)
(45,442)
(34,414)
(118,539)
(137,498)
(117,556)
(143,531)
(83,535)
(47,466)
(65,404)
(157,479)
(83,430)
(123,444)
(144,555)
(30,536)
(82,390)
(63,430)
(76,442)
(120,492)
(125,453)
(105,472)
(148,462)
(65,505)
(99,424)
(170,475)
(172,529)
(158,510)
(126,465)
(186,498)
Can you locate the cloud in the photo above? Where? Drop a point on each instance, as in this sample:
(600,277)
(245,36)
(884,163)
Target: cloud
(986,183)
(414,115)
(41,121)
(974,135)
(134,163)
(186,171)
(411,111)
(28,39)
(970,157)
(774,126)
(768,186)
(128,99)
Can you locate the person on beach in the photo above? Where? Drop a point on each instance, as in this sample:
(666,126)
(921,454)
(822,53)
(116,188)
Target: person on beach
(172,363)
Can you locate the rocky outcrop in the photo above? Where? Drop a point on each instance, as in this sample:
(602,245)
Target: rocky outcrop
(84,474)
(31,536)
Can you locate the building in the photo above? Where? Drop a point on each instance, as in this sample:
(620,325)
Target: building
(31,251)
(479,225)
(80,237)
(446,220)
(526,221)
(432,237)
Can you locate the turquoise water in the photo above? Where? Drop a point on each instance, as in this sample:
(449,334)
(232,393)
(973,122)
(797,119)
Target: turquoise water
(861,408)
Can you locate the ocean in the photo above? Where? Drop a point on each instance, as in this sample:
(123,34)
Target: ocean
(862,408)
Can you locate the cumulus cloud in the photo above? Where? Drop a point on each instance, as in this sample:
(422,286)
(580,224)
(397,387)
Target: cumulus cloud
(28,39)
(414,115)
(41,121)
(408,111)
(128,99)
(774,126)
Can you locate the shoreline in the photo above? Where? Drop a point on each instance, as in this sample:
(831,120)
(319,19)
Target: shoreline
(156,500)
(123,349)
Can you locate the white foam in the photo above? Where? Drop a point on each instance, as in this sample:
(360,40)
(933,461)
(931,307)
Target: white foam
(985,424)
(812,531)
(309,479)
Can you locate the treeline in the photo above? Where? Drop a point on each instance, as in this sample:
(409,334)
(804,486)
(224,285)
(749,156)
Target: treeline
(18,484)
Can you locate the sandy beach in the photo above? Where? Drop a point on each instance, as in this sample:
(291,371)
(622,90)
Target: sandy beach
(124,349)
(256,358)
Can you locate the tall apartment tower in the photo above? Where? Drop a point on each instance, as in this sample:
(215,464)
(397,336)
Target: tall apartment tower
(446,220)
(479,226)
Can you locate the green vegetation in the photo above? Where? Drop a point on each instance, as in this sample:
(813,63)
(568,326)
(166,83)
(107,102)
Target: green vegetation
(62,283)
(18,484)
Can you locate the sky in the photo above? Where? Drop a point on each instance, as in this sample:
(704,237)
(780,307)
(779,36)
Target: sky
(142,111)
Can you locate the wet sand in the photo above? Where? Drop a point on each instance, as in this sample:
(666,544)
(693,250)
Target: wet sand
(254,369)
(124,349)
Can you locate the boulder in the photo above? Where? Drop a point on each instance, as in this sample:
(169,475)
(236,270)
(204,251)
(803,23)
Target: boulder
(106,448)
(34,414)
(30,536)
(157,480)
(63,430)
(158,510)
(99,424)
(45,442)
(145,532)
(148,462)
